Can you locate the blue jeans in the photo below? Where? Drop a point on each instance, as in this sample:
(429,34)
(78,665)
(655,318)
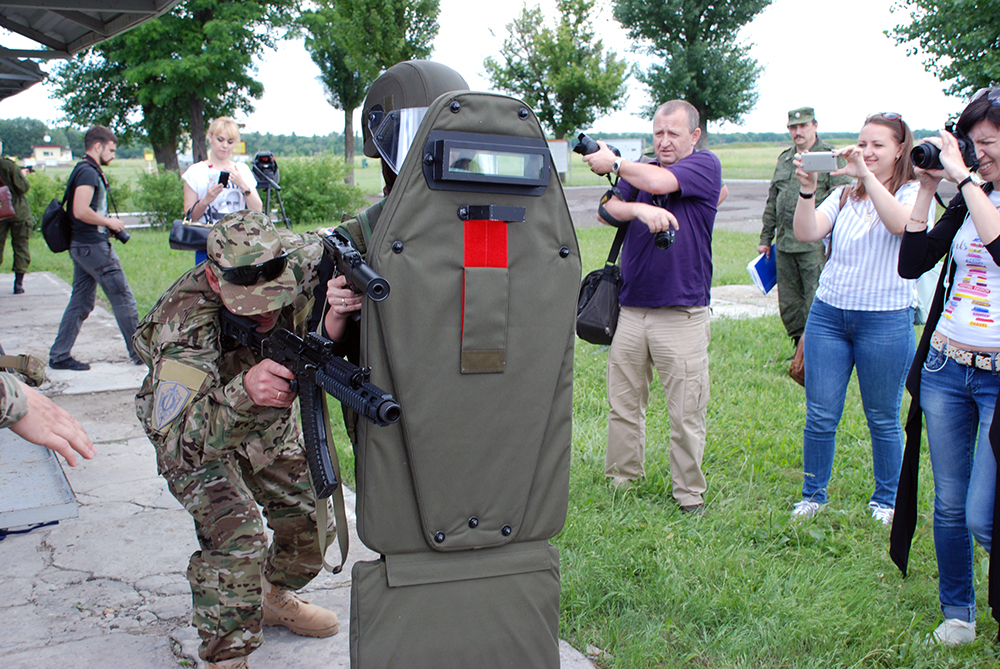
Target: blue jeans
(93,265)
(881,345)
(958,403)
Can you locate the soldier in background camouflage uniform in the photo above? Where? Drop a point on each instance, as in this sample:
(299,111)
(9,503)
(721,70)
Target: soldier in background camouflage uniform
(227,435)
(798,263)
(35,417)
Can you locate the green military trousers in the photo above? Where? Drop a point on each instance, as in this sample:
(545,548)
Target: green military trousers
(20,233)
(798,277)
(225,575)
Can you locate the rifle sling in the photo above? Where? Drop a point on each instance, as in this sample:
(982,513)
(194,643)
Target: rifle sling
(339,510)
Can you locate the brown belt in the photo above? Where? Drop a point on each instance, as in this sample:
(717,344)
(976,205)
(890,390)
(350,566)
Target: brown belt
(985,361)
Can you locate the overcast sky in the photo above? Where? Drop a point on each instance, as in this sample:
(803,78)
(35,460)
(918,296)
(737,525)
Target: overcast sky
(830,54)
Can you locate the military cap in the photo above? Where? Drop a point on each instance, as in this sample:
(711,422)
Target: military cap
(801,115)
(412,83)
(248,239)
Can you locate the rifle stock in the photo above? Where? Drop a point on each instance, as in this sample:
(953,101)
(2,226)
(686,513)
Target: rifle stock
(317,369)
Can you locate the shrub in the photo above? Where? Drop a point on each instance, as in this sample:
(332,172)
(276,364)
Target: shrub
(313,190)
(122,194)
(161,197)
(43,189)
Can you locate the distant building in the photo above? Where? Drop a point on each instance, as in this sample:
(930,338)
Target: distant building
(51,154)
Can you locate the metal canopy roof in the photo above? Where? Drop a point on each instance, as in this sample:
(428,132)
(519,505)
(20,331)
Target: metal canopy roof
(63,28)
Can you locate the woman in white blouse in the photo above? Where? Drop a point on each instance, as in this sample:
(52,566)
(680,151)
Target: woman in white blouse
(208,193)
(862,316)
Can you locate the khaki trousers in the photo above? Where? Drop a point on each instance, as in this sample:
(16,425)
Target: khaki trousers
(675,341)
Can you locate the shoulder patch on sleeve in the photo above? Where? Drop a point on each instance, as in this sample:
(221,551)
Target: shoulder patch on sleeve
(178,383)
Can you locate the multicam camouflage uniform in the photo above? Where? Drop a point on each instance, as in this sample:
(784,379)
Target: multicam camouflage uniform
(221,454)
(13,401)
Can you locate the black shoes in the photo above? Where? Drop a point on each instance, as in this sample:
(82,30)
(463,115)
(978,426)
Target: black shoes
(71,364)
(18,284)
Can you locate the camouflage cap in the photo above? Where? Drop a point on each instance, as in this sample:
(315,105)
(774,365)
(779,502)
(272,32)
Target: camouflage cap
(243,239)
(801,115)
(412,83)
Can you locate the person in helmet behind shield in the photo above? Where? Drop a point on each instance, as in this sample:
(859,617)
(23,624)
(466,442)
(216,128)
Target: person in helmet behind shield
(393,109)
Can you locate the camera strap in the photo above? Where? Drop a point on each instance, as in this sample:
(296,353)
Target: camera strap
(614,192)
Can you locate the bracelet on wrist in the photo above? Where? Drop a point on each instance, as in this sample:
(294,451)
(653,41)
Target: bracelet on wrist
(964,181)
(807,196)
(917,221)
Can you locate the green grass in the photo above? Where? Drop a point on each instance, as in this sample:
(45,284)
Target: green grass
(742,586)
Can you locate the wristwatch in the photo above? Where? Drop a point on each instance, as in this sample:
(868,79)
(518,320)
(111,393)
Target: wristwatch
(616,166)
(246,192)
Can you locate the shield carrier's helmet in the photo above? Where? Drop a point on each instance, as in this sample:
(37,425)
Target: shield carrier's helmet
(397,102)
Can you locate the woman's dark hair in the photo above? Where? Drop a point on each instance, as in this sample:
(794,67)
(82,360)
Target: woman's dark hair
(902,172)
(982,108)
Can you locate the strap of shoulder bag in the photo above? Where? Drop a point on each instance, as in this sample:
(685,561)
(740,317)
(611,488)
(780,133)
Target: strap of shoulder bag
(616,245)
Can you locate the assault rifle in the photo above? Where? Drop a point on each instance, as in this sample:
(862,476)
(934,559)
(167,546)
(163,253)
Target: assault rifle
(317,368)
(361,278)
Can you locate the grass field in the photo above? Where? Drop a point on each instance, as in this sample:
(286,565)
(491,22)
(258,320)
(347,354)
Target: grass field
(742,586)
(739,161)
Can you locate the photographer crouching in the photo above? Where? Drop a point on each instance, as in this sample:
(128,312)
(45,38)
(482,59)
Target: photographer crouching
(953,379)
(665,296)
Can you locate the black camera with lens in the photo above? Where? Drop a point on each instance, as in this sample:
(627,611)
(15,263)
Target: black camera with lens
(587,146)
(122,236)
(927,156)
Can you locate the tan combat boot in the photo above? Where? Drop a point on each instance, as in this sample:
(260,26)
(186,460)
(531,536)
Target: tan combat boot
(284,607)
(231,663)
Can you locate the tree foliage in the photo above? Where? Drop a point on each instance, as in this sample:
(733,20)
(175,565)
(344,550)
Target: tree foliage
(352,41)
(961,40)
(563,73)
(702,61)
(160,80)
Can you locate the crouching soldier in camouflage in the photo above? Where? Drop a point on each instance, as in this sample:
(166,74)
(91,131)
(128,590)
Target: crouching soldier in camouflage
(227,437)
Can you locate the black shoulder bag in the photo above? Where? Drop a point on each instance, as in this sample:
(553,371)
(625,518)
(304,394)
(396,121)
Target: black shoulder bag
(57,226)
(597,307)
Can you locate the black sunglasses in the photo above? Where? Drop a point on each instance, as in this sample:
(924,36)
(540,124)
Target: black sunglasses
(248,275)
(890,116)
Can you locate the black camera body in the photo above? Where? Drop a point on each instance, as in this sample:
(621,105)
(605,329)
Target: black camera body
(587,146)
(927,156)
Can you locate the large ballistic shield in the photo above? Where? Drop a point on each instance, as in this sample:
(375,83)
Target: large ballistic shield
(476,343)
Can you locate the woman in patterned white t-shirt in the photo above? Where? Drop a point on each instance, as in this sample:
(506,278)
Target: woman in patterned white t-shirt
(954,378)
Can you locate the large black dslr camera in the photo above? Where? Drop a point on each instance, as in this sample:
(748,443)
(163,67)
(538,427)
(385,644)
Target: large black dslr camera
(587,146)
(927,156)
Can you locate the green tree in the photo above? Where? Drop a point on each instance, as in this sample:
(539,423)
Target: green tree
(172,72)
(352,41)
(960,40)
(563,73)
(18,134)
(702,62)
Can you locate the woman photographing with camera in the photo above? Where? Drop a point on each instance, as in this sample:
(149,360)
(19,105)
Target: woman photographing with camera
(862,316)
(953,379)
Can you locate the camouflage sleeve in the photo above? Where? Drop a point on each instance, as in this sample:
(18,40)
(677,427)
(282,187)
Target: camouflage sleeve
(769,219)
(828,183)
(191,408)
(13,400)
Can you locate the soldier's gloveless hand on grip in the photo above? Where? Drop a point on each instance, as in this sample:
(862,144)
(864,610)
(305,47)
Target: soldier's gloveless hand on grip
(317,367)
